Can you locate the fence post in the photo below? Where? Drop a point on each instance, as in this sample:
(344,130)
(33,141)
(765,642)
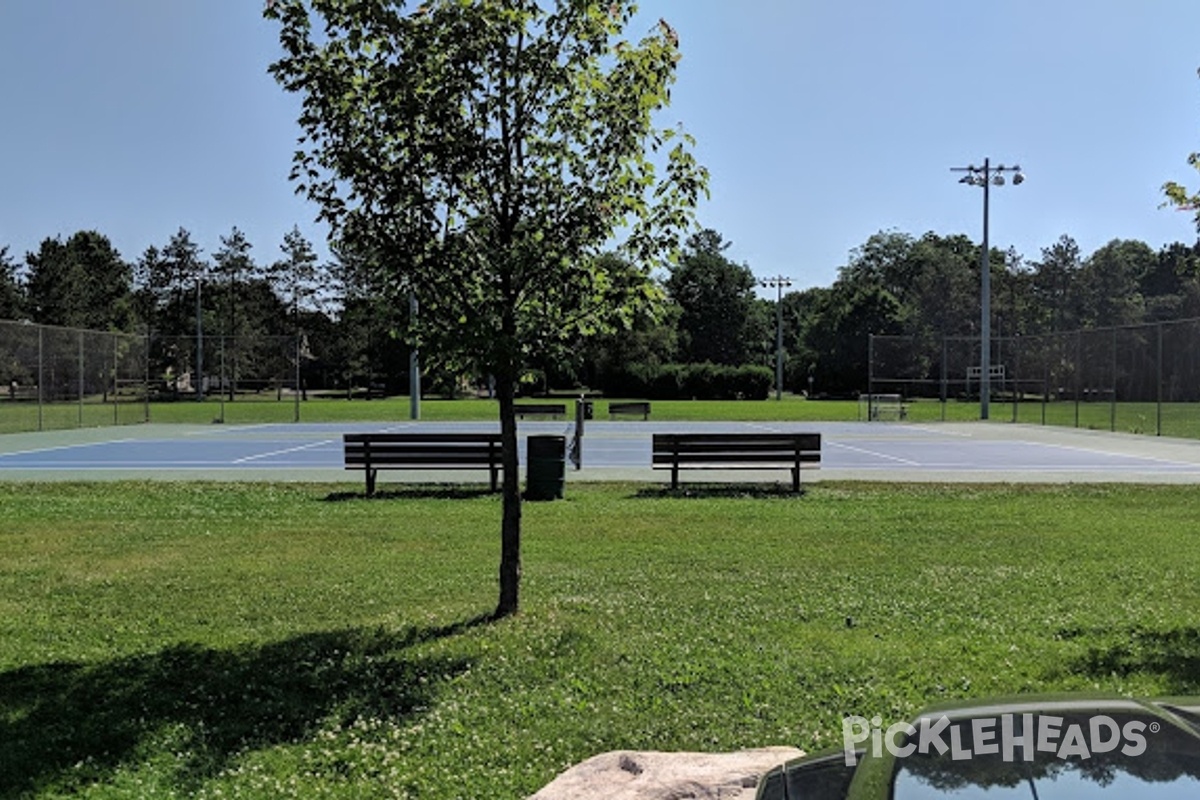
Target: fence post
(945,377)
(296,393)
(115,383)
(1112,392)
(870,375)
(146,384)
(1159,382)
(41,374)
(1079,360)
(82,385)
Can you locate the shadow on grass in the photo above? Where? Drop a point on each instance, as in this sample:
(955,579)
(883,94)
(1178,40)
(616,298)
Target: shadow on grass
(729,490)
(65,725)
(1173,655)
(415,492)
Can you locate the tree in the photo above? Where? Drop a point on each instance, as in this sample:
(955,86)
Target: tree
(11,301)
(79,283)
(295,277)
(1055,287)
(1178,195)
(233,268)
(716,301)
(1110,282)
(481,155)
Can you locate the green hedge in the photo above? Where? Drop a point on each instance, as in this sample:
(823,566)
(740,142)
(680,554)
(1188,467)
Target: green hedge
(691,382)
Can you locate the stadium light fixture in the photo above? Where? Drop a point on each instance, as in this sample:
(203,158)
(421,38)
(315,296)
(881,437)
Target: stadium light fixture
(779,282)
(986,176)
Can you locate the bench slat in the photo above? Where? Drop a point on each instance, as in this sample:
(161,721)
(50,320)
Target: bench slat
(738,457)
(371,452)
(791,451)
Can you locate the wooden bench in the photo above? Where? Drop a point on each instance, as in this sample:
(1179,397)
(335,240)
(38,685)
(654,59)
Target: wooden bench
(372,452)
(541,409)
(633,407)
(793,451)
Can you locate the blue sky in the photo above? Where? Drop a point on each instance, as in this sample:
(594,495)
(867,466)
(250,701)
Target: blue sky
(821,122)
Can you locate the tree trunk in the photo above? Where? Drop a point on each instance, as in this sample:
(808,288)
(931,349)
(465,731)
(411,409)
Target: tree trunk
(510,528)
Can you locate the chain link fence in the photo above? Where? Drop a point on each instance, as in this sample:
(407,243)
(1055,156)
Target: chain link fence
(1137,378)
(66,378)
(53,378)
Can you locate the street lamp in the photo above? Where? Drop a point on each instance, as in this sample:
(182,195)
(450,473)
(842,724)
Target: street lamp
(985,176)
(778,283)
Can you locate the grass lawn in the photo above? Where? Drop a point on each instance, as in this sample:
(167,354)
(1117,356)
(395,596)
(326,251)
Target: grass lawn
(253,640)
(1178,419)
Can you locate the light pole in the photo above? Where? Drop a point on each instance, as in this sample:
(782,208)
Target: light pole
(778,283)
(985,176)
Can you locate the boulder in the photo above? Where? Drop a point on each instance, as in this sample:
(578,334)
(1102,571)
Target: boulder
(630,775)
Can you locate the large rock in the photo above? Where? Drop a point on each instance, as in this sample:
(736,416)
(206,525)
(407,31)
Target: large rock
(628,775)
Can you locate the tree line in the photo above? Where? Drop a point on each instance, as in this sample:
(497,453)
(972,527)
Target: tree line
(711,336)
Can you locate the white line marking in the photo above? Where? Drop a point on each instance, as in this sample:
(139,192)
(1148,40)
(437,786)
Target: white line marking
(1109,453)
(64,447)
(873,453)
(282,452)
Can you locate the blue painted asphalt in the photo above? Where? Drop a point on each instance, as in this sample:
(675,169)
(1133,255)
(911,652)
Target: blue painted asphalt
(617,450)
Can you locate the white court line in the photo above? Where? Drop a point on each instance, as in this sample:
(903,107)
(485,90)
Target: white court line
(65,447)
(231,429)
(762,427)
(283,452)
(1111,454)
(873,453)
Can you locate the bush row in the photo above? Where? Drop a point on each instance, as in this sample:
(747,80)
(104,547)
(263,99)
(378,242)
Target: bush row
(690,382)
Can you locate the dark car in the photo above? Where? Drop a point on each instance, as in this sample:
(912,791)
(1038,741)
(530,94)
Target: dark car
(1030,748)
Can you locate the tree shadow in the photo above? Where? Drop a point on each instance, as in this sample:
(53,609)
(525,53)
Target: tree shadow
(727,490)
(1174,655)
(67,724)
(415,492)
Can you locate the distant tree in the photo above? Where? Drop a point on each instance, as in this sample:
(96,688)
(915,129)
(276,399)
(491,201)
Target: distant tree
(1056,287)
(233,267)
(845,317)
(1171,287)
(648,339)
(1110,283)
(233,270)
(295,276)
(483,154)
(11,299)
(79,283)
(716,301)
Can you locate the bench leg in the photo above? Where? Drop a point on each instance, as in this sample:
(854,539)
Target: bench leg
(495,472)
(796,478)
(674,477)
(370,482)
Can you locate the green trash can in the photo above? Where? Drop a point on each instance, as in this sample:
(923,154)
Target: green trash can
(546,467)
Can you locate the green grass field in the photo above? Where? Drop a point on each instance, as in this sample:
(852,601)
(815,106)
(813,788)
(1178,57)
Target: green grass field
(1178,419)
(262,641)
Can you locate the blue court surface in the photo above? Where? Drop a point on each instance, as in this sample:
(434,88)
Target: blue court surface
(611,451)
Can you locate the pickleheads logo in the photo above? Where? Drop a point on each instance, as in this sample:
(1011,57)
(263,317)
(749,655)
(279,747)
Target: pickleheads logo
(1005,735)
